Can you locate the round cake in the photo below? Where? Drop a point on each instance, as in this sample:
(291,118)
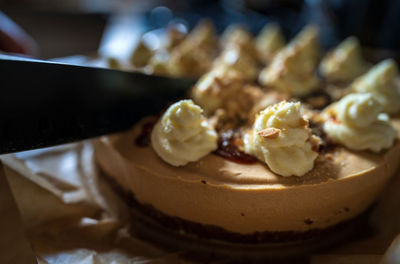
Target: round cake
(279,158)
(248,198)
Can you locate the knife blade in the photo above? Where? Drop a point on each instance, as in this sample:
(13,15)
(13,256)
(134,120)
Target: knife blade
(45,103)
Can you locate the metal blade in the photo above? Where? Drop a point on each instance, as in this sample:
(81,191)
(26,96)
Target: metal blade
(45,103)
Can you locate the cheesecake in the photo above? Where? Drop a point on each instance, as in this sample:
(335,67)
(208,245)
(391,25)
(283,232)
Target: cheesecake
(242,161)
(246,197)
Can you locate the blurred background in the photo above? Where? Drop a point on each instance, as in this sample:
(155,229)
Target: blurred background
(63,28)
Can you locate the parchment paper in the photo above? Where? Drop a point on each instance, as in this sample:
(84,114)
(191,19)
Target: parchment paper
(71,215)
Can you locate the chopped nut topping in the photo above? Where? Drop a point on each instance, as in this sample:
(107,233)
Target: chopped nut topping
(269,133)
(303,122)
(329,156)
(315,143)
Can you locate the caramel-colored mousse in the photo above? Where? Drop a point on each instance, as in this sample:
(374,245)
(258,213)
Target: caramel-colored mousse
(248,198)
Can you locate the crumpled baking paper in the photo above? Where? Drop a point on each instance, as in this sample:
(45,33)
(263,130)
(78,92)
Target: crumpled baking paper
(71,215)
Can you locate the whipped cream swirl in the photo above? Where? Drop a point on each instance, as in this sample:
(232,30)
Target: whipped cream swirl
(345,62)
(281,138)
(292,69)
(183,135)
(216,87)
(269,42)
(356,122)
(381,82)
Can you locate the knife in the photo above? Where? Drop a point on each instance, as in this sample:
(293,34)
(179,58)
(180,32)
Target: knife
(45,103)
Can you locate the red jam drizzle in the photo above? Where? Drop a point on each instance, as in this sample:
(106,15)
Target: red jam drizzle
(143,139)
(326,145)
(228,150)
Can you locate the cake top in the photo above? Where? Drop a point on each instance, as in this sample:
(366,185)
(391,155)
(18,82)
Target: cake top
(265,102)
